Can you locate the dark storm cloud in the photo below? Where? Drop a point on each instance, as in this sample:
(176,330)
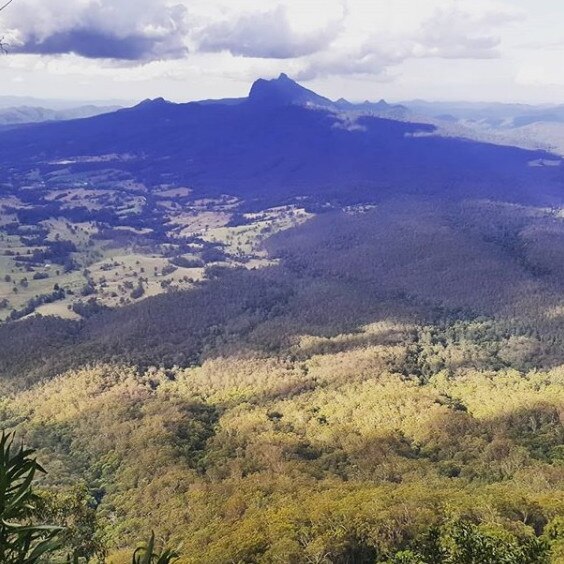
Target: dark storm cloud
(99,44)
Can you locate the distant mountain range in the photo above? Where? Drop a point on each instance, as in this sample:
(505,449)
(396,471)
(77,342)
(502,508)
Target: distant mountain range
(60,103)
(488,114)
(283,90)
(280,143)
(523,125)
(33,114)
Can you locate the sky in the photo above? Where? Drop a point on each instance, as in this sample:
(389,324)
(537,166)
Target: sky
(475,50)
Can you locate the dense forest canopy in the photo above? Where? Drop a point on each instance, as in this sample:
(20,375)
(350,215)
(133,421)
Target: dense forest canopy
(397,377)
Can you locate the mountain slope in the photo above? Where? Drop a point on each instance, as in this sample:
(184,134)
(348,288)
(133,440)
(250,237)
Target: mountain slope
(284,91)
(271,150)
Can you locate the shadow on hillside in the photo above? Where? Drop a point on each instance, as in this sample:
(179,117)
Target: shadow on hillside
(403,263)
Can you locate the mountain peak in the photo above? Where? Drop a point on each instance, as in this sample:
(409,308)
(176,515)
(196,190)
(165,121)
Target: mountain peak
(152,102)
(283,91)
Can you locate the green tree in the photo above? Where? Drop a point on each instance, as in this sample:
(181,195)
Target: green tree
(463,542)
(406,557)
(22,540)
(474,546)
(74,510)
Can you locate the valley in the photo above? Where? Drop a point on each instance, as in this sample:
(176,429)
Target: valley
(286,330)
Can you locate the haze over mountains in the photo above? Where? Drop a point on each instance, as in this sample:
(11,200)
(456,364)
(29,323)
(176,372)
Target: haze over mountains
(540,126)
(32,114)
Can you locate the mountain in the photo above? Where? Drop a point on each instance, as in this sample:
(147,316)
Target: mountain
(380,108)
(32,114)
(280,143)
(59,104)
(492,114)
(523,125)
(283,91)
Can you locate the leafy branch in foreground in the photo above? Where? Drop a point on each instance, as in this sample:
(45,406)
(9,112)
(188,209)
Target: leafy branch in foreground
(6,5)
(21,540)
(150,553)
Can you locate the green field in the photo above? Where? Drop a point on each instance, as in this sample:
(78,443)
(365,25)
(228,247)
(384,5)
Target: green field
(127,263)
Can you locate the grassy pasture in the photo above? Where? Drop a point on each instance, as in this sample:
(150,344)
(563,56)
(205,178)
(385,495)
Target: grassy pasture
(121,258)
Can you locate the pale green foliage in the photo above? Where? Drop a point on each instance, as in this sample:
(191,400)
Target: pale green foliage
(280,460)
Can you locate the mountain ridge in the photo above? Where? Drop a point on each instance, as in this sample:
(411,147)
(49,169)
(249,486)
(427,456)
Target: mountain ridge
(284,91)
(35,114)
(249,150)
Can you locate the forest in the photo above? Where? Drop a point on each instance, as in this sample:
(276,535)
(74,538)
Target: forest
(390,388)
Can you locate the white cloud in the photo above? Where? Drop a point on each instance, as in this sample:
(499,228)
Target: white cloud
(449,31)
(455,33)
(267,35)
(228,43)
(332,33)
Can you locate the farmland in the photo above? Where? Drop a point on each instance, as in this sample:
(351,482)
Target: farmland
(64,249)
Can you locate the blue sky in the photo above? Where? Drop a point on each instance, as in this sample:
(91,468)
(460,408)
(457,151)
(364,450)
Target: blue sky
(361,49)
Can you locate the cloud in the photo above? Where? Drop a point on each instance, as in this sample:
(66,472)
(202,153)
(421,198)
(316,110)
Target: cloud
(266,35)
(448,33)
(366,59)
(452,33)
(97,44)
(106,29)
(305,38)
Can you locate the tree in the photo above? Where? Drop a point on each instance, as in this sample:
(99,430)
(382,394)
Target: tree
(6,5)
(3,45)
(463,542)
(75,511)
(22,540)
